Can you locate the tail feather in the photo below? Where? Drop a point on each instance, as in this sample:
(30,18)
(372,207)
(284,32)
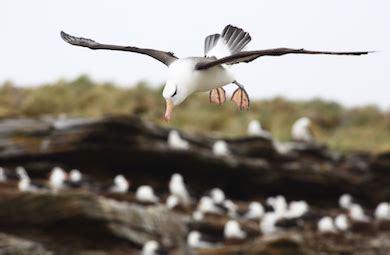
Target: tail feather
(231,41)
(210,42)
(236,38)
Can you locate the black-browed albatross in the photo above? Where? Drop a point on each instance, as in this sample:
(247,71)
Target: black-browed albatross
(208,73)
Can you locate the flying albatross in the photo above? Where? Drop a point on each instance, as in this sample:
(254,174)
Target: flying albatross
(208,73)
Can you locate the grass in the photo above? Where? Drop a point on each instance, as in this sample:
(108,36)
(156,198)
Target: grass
(363,128)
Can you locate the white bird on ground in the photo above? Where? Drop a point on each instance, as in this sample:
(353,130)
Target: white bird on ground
(326,225)
(75,176)
(146,194)
(172,201)
(296,209)
(382,211)
(176,142)
(341,222)
(198,215)
(268,223)
(221,148)
(207,205)
(57,179)
(278,203)
(301,130)
(120,185)
(217,195)
(151,248)
(356,213)
(194,240)
(21,172)
(3,177)
(345,201)
(232,230)
(231,207)
(178,188)
(207,73)
(255,129)
(255,211)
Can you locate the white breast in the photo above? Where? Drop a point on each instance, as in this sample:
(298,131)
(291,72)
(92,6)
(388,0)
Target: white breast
(182,73)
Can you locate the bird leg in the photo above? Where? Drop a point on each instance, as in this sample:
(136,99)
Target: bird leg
(217,96)
(240,97)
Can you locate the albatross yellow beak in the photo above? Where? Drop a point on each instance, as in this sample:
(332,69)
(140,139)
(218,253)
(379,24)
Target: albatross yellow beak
(168,111)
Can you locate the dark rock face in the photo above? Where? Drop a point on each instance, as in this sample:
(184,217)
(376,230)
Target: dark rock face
(87,221)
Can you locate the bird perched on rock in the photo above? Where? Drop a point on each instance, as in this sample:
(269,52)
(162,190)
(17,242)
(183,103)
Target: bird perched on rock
(207,73)
(176,142)
(301,131)
(255,211)
(232,230)
(146,194)
(326,225)
(153,248)
(255,129)
(120,184)
(221,148)
(178,189)
(57,179)
(3,176)
(196,240)
(382,211)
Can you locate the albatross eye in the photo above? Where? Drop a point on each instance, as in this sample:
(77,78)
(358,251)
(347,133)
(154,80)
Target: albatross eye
(174,93)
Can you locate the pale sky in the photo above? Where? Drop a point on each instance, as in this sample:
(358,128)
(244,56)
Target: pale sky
(32,52)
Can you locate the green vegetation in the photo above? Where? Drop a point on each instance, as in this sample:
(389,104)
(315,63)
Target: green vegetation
(362,128)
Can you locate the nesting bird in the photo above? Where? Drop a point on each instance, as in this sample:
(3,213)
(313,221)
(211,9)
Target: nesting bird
(120,184)
(178,189)
(195,240)
(255,211)
(152,248)
(301,130)
(255,129)
(220,148)
(382,211)
(146,194)
(326,225)
(176,142)
(341,222)
(57,179)
(356,213)
(345,201)
(232,230)
(75,176)
(3,177)
(207,205)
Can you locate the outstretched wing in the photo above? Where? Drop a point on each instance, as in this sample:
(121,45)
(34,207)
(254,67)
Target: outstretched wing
(248,56)
(162,56)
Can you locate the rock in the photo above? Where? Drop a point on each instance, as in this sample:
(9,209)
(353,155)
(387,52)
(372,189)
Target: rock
(12,245)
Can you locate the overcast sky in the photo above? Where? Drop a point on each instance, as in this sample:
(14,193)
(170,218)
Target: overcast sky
(32,52)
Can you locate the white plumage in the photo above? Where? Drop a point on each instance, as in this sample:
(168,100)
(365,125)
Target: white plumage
(221,148)
(341,222)
(217,195)
(345,201)
(176,142)
(75,176)
(296,209)
(356,213)
(120,185)
(194,240)
(326,225)
(232,230)
(172,201)
(57,179)
(150,248)
(178,189)
(301,130)
(267,223)
(382,211)
(146,194)
(3,177)
(255,211)
(206,205)
(255,129)
(278,203)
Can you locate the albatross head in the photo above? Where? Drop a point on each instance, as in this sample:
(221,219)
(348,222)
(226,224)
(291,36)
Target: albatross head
(174,95)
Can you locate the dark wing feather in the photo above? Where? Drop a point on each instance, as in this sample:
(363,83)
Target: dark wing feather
(162,56)
(248,56)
